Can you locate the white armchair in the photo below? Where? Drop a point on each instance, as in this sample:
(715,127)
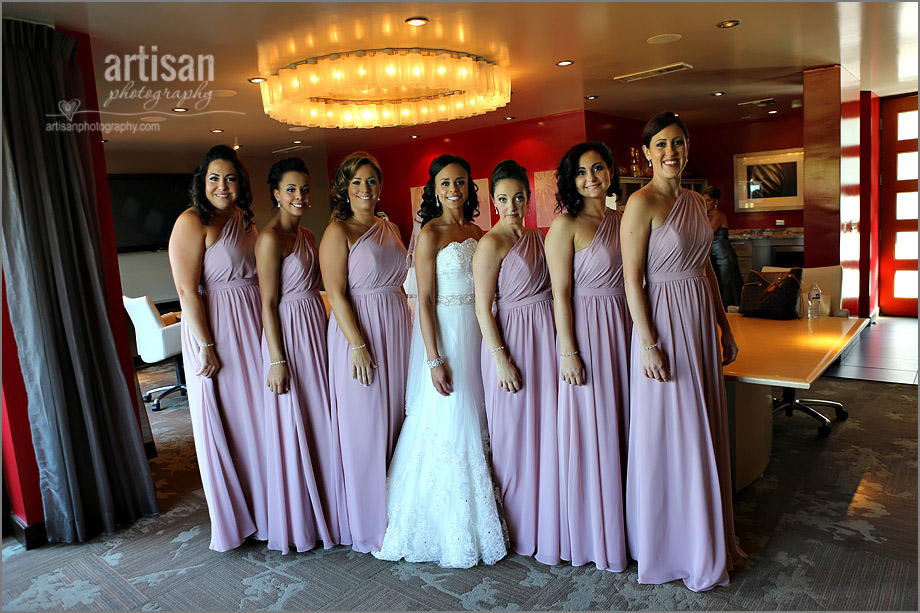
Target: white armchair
(158,337)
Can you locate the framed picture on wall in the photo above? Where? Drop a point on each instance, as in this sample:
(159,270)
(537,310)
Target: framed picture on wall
(769,181)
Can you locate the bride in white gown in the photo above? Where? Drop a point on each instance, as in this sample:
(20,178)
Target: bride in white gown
(440,499)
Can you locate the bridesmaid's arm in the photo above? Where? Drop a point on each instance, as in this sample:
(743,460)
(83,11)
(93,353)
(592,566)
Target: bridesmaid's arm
(560,256)
(269,251)
(186,253)
(333,264)
(635,230)
(487,262)
(425,254)
(729,347)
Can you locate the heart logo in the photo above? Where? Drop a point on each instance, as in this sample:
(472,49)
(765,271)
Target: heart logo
(69,108)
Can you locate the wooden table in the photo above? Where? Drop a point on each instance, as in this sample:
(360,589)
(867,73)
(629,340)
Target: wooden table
(788,354)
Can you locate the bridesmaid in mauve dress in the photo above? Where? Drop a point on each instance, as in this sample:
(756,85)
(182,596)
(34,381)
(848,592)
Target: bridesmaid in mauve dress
(678,486)
(519,367)
(211,253)
(363,262)
(592,320)
(301,477)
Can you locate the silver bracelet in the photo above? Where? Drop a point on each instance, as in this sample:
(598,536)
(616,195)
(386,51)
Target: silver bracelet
(359,347)
(278,362)
(202,346)
(435,362)
(650,347)
(568,355)
(496,350)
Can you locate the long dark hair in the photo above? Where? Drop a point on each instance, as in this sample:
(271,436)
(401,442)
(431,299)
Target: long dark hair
(198,195)
(347,168)
(279,169)
(509,169)
(567,197)
(430,208)
(659,122)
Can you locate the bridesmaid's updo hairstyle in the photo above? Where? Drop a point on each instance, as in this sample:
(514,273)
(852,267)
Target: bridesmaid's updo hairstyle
(430,207)
(281,168)
(567,197)
(198,194)
(509,169)
(713,192)
(348,168)
(659,122)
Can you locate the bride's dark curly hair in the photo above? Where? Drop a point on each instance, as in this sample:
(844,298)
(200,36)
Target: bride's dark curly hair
(430,207)
(567,197)
(198,194)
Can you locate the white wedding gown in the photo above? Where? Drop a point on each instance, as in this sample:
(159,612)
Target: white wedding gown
(440,499)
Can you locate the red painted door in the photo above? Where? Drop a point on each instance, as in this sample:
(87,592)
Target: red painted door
(898,208)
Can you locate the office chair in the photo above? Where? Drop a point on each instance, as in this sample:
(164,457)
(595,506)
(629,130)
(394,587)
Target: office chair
(158,338)
(830,280)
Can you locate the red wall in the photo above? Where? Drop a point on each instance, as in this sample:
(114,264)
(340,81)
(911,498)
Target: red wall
(869,114)
(536,144)
(618,133)
(712,148)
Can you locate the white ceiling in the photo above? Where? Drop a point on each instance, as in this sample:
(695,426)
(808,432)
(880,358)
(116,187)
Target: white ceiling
(762,58)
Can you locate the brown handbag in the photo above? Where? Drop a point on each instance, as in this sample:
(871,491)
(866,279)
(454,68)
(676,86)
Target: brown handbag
(771,295)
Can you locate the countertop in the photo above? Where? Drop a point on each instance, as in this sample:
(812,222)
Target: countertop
(760,233)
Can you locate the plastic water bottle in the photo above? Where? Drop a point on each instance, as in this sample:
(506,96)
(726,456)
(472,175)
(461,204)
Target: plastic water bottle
(814,301)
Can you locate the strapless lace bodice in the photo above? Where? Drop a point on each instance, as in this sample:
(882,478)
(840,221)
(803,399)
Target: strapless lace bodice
(454,273)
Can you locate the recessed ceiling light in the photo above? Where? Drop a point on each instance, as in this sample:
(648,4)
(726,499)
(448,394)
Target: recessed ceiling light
(222,93)
(256,79)
(417,21)
(773,112)
(297,142)
(662,39)
(180,109)
(216,131)
(717,94)
(565,62)
(728,23)
(677,114)
(592,97)
(104,140)
(297,129)
(413,136)
(237,146)
(508,117)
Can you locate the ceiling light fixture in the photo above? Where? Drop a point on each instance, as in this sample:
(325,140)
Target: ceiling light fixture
(728,23)
(257,80)
(385,87)
(565,62)
(663,39)
(508,118)
(180,109)
(592,97)
(237,146)
(773,112)
(717,94)
(216,131)
(413,136)
(105,140)
(297,142)
(417,21)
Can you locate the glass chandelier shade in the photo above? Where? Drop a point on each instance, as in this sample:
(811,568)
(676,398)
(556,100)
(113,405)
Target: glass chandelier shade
(385,87)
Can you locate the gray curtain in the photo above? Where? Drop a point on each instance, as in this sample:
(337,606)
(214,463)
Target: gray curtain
(92,467)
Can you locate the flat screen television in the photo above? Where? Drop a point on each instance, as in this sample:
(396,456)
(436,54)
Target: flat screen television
(145,207)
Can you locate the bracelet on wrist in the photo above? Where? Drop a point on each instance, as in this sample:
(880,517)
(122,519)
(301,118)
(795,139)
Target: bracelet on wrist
(203,345)
(567,355)
(278,362)
(496,350)
(650,347)
(359,347)
(435,362)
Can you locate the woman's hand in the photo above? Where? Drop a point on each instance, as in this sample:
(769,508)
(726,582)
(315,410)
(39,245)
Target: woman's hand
(509,379)
(362,366)
(573,370)
(729,348)
(655,365)
(440,378)
(278,380)
(208,360)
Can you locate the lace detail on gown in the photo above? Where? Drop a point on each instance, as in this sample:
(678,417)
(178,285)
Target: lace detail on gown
(440,498)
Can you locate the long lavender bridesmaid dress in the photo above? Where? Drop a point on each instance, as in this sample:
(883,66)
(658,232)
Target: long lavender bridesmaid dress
(302,476)
(366,420)
(522,426)
(593,418)
(226,410)
(678,486)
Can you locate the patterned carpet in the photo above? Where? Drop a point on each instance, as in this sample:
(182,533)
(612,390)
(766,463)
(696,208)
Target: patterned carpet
(832,525)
